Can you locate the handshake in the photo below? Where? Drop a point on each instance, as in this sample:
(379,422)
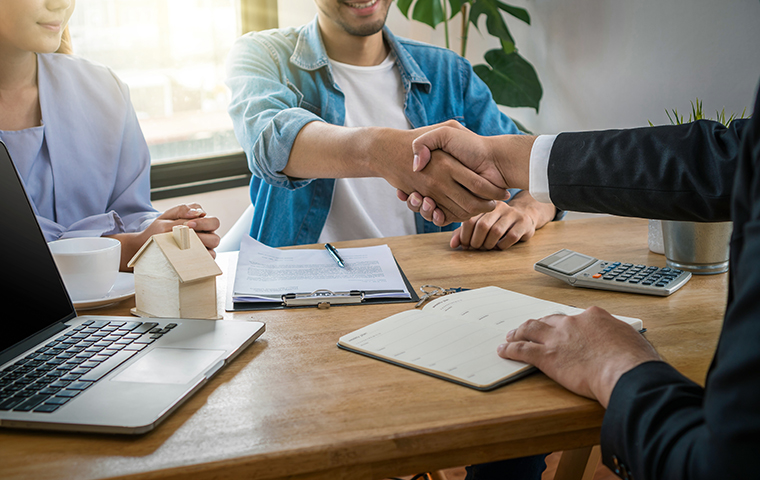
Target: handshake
(458,174)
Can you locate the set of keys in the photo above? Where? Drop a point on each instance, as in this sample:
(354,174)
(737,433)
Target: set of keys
(431,291)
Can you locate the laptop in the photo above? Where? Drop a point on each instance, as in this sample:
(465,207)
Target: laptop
(90,373)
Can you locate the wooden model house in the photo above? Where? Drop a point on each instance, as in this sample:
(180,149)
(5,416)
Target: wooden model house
(175,276)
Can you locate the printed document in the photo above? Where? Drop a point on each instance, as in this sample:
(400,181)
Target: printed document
(265,274)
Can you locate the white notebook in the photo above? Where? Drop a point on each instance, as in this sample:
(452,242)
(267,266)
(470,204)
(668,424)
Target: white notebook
(455,337)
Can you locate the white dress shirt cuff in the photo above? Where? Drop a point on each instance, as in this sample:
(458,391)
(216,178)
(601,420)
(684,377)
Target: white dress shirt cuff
(539,168)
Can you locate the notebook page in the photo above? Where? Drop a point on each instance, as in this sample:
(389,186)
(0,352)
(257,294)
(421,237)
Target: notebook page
(456,336)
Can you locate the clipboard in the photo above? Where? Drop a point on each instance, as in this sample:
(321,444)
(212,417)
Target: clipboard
(320,298)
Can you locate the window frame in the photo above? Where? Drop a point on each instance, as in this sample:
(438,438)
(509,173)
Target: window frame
(190,176)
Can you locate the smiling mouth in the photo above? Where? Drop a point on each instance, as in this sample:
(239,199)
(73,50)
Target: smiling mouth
(362,5)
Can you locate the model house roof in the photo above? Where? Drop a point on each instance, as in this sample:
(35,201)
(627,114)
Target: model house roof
(185,252)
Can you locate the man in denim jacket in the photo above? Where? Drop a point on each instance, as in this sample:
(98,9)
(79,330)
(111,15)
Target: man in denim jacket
(326,114)
(342,98)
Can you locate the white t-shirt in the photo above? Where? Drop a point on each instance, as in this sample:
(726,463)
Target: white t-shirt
(368,207)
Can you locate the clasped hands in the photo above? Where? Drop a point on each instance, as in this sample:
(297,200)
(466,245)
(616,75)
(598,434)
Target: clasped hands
(470,177)
(191,215)
(467,192)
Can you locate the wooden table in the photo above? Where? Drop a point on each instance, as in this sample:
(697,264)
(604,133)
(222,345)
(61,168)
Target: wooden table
(295,406)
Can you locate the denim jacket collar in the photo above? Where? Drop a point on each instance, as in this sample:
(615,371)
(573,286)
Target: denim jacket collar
(407,66)
(309,54)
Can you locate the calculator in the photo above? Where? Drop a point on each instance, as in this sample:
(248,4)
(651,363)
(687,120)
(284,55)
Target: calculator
(581,270)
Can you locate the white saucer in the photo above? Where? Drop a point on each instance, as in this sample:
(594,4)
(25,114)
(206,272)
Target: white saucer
(122,289)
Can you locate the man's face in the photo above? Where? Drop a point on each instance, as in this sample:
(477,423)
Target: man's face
(361,18)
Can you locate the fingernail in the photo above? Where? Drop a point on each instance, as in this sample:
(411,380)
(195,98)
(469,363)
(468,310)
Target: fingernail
(510,334)
(501,348)
(416,163)
(415,200)
(426,206)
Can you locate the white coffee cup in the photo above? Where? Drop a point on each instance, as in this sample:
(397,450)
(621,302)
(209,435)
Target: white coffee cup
(88,265)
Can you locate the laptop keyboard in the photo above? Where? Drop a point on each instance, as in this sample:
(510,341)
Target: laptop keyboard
(52,375)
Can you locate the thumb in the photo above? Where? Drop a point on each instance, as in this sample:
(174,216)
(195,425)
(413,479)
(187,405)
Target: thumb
(448,139)
(436,139)
(421,158)
(456,238)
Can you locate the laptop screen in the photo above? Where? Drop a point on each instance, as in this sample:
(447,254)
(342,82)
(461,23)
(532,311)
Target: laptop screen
(33,295)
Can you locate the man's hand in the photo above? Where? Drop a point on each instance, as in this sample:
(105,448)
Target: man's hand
(191,215)
(506,225)
(499,229)
(586,353)
(461,193)
(503,161)
(452,185)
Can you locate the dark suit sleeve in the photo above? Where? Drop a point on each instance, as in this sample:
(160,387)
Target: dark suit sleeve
(682,172)
(660,425)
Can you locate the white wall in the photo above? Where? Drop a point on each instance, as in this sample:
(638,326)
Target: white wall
(614,64)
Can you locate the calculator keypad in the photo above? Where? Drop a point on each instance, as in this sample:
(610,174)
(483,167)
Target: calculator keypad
(581,270)
(637,274)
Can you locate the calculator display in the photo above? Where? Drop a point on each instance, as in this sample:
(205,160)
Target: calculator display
(571,263)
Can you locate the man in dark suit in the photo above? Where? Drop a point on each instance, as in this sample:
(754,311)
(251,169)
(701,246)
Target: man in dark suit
(658,423)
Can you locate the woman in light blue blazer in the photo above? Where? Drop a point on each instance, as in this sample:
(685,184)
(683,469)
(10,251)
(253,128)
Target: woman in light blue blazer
(73,136)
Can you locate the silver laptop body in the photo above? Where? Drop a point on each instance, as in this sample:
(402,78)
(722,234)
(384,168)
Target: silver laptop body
(113,391)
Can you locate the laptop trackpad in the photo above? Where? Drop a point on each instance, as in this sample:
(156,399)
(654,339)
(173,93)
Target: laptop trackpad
(169,365)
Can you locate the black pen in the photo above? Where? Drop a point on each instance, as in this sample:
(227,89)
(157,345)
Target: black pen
(334,254)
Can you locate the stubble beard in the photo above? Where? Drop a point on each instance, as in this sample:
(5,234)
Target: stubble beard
(365,30)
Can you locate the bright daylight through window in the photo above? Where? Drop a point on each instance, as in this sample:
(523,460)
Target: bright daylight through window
(171,53)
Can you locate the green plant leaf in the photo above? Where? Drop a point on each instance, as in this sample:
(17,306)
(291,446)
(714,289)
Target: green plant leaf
(508,47)
(511,79)
(675,120)
(494,21)
(456,6)
(428,12)
(517,12)
(698,113)
(404,5)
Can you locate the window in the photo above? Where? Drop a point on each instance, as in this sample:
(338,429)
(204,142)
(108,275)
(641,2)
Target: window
(171,53)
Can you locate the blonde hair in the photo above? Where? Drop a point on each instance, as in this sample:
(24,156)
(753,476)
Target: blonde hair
(65,46)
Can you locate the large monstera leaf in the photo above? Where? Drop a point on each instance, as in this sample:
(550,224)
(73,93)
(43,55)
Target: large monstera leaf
(495,23)
(429,12)
(512,79)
